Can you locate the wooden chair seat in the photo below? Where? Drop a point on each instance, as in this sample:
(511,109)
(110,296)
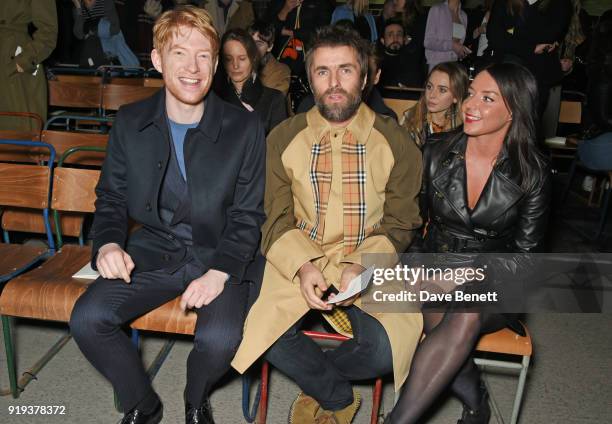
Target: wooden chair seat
(168,318)
(48,292)
(16,256)
(506,341)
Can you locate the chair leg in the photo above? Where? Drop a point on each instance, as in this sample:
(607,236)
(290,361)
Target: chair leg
(604,213)
(519,390)
(570,177)
(376,398)
(10,356)
(262,411)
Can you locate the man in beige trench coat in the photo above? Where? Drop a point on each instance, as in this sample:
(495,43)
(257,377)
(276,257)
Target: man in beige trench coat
(341,182)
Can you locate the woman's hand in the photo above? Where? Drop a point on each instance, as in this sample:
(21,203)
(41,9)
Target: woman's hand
(287,8)
(460,50)
(76,3)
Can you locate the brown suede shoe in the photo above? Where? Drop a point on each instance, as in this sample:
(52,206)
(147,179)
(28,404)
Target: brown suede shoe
(303,410)
(343,416)
(326,417)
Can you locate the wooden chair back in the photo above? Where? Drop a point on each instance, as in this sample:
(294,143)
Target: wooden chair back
(570,112)
(75,94)
(116,95)
(399,106)
(74,190)
(18,153)
(24,186)
(65,140)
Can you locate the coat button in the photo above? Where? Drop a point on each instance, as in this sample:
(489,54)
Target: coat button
(439,195)
(159,165)
(453,188)
(148,207)
(171,236)
(166,257)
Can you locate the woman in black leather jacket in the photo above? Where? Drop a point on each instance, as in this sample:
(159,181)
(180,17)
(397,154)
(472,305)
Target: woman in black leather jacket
(487,190)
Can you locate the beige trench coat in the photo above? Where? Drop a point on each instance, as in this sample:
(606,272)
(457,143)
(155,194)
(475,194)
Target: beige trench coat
(392,185)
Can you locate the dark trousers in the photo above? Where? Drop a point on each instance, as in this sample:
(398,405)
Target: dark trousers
(326,375)
(101,312)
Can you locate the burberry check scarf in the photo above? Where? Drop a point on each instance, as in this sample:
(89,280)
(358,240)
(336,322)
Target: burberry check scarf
(353,189)
(353,199)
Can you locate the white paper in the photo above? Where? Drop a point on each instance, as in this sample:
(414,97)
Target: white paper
(87,273)
(458,31)
(555,142)
(357,285)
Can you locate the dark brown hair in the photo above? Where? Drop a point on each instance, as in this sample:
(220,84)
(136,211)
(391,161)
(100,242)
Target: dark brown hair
(244,38)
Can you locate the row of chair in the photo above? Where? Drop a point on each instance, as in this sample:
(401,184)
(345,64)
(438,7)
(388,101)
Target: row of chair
(48,291)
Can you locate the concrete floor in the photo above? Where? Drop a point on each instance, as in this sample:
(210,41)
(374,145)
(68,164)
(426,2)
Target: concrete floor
(569,381)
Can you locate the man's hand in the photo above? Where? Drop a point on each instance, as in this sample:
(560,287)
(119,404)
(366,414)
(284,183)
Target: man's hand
(19,68)
(202,291)
(313,285)
(545,48)
(349,273)
(114,262)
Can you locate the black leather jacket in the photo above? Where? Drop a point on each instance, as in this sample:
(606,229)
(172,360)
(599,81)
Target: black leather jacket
(506,218)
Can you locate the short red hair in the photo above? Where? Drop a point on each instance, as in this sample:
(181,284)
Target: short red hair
(187,16)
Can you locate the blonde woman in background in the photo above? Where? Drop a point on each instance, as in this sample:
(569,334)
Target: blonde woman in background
(356,11)
(437,111)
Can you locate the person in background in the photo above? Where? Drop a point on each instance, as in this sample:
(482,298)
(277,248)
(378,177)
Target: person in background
(24,83)
(438,111)
(229,14)
(357,12)
(87,14)
(388,12)
(296,22)
(445,33)
(242,86)
(402,63)
(414,18)
(272,73)
(529,33)
(480,32)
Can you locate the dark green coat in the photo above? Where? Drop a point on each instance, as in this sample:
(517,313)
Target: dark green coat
(25,92)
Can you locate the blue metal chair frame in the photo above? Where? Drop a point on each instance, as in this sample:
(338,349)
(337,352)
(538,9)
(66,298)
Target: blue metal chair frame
(8,343)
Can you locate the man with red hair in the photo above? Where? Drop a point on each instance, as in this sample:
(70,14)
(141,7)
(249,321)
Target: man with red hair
(189,168)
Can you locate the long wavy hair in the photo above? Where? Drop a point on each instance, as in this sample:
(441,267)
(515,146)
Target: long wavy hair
(415,119)
(519,90)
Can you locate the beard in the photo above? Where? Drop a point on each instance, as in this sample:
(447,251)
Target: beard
(339,112)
